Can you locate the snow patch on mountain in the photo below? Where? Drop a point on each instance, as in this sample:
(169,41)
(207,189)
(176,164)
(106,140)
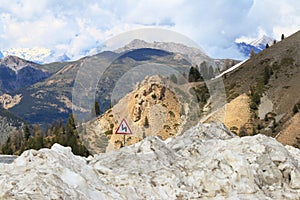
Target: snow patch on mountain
(261,43)
(231,69)
(257,45)
(207,162)
(36,54)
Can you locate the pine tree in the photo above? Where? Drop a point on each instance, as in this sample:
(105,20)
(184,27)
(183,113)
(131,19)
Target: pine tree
(204,70)
(26,132)
(267,46)
(233,62)
(252,53)
(97,108)
(226,64)
(210,72)
(295,109)
(146,123)
(194,75)
(70,127)
(6,148)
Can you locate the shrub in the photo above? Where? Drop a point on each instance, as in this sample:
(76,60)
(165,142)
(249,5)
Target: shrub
(295,109)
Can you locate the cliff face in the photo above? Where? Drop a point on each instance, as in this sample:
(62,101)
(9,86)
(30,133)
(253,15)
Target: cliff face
(151,109)
(207,161)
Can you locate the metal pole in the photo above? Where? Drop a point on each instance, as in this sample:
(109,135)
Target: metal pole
(124,140)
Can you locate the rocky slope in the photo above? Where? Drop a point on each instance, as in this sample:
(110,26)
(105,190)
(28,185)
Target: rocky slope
(235,114)
(151,109)
(289,134)
(271,81)
(206,162)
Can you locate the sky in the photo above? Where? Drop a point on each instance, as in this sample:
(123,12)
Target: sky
(75,27)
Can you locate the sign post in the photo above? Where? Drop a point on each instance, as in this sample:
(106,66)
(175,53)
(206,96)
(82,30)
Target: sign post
(124,129)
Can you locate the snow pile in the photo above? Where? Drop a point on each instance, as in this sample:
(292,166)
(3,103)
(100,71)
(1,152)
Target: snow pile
(206,162)
(231,69)
(52,174)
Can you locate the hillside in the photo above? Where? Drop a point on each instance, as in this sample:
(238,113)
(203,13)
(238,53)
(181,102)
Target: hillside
(51,99)
(16,73)
(271,80)
(156,107)
(205,162)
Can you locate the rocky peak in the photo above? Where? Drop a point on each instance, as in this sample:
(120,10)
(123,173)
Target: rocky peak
(15,63)
(261,42)
(150,92)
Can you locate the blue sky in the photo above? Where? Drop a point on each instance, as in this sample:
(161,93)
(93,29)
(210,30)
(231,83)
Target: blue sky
(74,26)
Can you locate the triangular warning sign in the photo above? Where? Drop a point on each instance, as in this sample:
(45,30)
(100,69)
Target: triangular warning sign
(123,128)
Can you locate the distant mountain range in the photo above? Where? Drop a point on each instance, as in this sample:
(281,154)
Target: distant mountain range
(46,90)
(257,45)
(44,55)
(35,54)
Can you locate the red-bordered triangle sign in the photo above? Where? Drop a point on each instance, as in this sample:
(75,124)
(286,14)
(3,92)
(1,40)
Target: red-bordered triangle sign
(123,128)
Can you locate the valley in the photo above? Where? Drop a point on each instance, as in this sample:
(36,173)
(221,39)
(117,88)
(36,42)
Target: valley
(257,102)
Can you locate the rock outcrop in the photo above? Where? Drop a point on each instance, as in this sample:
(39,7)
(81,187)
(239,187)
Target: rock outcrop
(205,162)
(151,109)
(7,101)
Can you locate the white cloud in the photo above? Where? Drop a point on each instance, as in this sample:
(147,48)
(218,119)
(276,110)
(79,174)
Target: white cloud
(260,33)
(273,18)
(74,26)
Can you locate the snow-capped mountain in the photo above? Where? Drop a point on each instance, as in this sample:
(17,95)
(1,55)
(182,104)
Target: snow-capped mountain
(262,42)
(257,45)
(36,54)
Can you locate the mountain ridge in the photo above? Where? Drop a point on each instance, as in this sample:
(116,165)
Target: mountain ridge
(36,54)
(192,54)
(256,45)
(17,73)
